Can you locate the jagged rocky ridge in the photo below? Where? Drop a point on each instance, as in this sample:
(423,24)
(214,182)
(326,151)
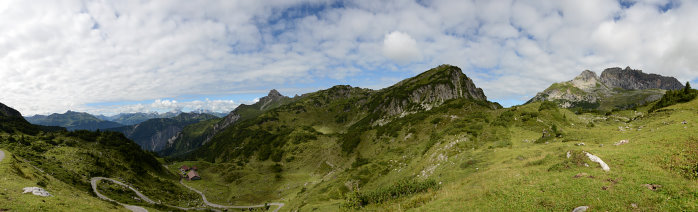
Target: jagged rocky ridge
(615,88)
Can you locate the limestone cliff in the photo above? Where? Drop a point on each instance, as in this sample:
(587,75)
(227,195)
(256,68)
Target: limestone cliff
(616,88)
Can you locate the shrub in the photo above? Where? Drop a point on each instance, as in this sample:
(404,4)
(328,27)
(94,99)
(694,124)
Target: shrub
(547,105)
(674,97)
(402,188)
(359,162)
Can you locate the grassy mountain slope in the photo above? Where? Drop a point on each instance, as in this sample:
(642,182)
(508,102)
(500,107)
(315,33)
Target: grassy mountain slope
(63,162)
(304,143)
(460,154)
(192,137)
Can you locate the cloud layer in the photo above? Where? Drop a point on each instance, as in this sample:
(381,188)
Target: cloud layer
(60,55)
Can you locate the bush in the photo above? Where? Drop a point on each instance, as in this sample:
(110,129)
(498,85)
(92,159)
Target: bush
(359,162)
(674,97)
(277,155)
(547,105)
(402,188)
(436,120)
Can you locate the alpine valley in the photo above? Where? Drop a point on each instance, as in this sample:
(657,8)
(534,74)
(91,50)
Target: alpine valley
(623,140)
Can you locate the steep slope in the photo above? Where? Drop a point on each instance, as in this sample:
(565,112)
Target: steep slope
(11,120)
(196,135)
(153,134)
(73,121)
(345,135)
(62,162)
(616,89)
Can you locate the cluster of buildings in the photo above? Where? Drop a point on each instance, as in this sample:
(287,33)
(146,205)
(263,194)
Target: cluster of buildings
(189,172)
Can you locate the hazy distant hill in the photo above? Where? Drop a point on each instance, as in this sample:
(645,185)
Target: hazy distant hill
(72,120)
(135,118)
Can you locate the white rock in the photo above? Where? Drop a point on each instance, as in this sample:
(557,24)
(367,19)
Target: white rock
(580,209)
(594,158)
(621,142)
(569,154)
(37,191)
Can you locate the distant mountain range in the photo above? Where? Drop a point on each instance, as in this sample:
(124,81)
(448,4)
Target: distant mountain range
(72,120)
(135,118)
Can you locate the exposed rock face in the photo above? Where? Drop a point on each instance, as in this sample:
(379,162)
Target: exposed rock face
(634,79)
(586,80)
(429,89)
(590,91)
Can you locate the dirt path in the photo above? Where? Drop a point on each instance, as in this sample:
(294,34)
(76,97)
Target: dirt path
(223,206)
(2,155)
(133,208)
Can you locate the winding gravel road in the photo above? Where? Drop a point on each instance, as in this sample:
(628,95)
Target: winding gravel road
(223,206)
(134,208)
(2,155)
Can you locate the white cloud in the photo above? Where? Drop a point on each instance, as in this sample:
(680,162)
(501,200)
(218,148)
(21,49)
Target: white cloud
(64,55)
(163,105)
(400,47)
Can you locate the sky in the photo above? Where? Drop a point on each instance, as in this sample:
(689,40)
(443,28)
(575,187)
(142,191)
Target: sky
(108,57)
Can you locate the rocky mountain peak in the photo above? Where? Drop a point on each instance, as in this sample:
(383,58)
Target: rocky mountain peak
(587,75)
(274,93)
(586,80)
(273,96)
(632,79)
(429,89)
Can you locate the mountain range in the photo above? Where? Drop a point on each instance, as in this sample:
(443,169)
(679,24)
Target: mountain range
(72,120)
(616,88)
(432,142)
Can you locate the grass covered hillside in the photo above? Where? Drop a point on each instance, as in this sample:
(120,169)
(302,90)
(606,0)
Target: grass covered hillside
(63,163)
(341,149)
(195,135)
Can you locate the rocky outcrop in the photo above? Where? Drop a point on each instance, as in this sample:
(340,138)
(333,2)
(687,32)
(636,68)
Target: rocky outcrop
(428,90)
(635,79)
(589,91)
(587,80)
(36,191)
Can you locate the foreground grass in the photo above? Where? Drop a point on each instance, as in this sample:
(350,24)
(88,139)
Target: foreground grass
(15,175)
